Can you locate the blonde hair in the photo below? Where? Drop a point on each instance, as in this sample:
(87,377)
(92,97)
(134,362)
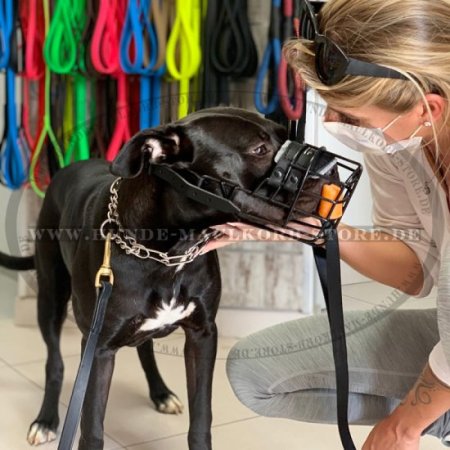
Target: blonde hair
(410,36)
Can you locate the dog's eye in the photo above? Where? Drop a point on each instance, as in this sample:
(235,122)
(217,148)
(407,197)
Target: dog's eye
(260,151)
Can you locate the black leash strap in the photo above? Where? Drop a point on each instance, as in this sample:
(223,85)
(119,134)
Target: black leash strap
(328,265)
(81,382)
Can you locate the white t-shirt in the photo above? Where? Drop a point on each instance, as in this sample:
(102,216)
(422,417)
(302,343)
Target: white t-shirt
(410,203)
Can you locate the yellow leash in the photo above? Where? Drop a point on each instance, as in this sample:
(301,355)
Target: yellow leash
(184,40)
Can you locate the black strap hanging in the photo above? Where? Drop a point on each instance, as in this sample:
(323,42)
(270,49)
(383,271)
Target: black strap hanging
(81,382)
(328,265)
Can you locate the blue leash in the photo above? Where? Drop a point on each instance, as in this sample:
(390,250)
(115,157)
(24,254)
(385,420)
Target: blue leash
(137,25)
(13,165)
(6,26)
(272,54)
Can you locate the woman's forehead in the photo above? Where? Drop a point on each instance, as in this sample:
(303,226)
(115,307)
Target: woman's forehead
(364,112)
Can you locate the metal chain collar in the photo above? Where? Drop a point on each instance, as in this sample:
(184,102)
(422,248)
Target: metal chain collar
(132,247)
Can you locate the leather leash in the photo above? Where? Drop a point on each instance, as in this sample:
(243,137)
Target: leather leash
(104,290)
(270,63)
(328,266)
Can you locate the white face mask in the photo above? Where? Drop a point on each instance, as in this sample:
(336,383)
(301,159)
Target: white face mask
(370,140)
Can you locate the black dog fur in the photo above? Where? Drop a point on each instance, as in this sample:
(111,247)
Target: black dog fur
(228,143)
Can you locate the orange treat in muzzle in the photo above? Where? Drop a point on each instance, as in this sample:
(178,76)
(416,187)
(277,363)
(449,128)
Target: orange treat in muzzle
(331,192)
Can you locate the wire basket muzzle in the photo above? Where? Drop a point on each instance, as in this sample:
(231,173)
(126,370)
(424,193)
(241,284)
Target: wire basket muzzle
(308,190)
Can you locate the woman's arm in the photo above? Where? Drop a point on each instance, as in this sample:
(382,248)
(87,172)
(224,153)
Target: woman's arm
(428,400)
(425,402)
(381,257)
(377,255)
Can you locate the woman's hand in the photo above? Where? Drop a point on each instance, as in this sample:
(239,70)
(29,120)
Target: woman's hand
(235,232)
(388,435)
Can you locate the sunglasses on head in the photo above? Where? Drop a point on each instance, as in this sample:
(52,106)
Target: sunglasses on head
(332,64)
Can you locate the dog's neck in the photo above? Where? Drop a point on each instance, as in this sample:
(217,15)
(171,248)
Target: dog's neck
(147,203)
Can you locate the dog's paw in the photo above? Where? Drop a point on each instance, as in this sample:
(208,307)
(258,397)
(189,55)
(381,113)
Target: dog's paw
(171,405)
(40,433)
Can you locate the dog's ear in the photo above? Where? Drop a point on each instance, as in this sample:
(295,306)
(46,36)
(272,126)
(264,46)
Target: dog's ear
(161,144)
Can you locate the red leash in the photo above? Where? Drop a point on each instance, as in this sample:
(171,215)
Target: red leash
(293,109)
(31,15)
(105,59)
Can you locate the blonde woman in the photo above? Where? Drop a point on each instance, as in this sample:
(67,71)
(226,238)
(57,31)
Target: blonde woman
(383,68)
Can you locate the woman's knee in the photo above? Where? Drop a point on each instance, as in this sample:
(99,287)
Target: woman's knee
(245,373)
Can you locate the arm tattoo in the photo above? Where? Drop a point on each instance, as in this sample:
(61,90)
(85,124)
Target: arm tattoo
(423,387)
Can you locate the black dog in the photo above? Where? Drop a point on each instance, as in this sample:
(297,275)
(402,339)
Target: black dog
(149,300)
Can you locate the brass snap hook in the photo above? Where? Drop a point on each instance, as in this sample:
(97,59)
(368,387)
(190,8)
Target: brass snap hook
(105,269)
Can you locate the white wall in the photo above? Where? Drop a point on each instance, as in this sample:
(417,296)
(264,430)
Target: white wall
(4,198)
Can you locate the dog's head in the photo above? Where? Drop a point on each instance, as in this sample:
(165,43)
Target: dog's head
(227,143)
(223,143)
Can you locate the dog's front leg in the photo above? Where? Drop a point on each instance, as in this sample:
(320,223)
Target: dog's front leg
(94,406)
(200,355)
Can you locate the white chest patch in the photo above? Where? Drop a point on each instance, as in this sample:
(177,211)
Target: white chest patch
(167,314)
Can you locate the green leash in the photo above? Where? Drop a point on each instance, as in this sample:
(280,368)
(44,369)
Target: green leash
(47,126)
(64,54)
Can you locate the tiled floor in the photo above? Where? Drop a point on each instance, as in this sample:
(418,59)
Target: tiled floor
(132,423)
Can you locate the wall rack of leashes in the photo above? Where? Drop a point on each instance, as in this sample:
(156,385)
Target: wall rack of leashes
(94,72)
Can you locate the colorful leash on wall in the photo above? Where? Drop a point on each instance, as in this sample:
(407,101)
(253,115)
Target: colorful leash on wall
(14,149)
(139,54)
(65,56)
(288,79)
(47,130)
(102,91)
(105,55)
(32,20)
(33,75)
(105,51)
(269,66)
(183,55)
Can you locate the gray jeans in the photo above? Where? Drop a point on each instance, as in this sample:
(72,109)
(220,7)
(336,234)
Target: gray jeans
(288,371)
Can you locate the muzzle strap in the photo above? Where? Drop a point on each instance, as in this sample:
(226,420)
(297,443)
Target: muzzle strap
(328,265)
